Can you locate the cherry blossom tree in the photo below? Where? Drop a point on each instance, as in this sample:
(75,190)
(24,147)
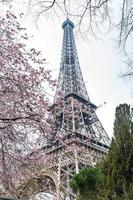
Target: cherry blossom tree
(25,126)
(23,104)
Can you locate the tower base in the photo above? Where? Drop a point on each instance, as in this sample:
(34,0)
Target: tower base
(53,179)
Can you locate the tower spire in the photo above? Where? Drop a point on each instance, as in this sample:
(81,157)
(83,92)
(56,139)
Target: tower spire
(70,76)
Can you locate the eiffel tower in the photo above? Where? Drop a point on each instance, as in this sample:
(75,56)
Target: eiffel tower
(78,137)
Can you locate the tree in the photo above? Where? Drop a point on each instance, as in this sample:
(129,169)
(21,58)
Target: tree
(89,15)
(87,183)
(95,11)
(23,104)
(118,166)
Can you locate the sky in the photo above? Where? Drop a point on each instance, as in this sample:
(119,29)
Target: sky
(100,61)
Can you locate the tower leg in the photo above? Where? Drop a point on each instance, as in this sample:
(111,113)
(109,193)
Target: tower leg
(58,192)
(76,161)
(58,184)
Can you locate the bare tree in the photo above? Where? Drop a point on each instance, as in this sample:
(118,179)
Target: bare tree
(88,15)
(125,26)
(94,16)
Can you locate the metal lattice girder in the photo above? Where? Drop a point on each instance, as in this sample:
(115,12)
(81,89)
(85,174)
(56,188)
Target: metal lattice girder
(70,76)
(74,112)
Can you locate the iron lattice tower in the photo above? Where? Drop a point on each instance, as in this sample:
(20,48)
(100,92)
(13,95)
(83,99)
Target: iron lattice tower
(79,138)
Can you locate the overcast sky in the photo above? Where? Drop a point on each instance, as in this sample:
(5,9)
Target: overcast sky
(99,60)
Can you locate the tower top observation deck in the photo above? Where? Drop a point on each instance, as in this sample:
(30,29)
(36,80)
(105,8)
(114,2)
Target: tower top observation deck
(65,23)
